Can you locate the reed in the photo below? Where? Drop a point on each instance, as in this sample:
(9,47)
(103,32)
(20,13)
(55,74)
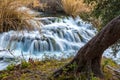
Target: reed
(74,7)
(13,17)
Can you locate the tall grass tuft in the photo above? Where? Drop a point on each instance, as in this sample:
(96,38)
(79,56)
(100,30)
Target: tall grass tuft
(13,17)
(74,7)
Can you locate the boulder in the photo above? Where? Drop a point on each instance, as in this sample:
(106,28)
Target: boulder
(49,6)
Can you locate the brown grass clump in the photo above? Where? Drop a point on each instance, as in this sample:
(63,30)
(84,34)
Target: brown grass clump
(38,5)
(12,17)
(74,7)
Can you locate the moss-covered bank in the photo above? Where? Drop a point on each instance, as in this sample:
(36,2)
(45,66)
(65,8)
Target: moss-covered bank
(42,70)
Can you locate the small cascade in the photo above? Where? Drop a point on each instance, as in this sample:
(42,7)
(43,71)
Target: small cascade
(67,34)
(59,35)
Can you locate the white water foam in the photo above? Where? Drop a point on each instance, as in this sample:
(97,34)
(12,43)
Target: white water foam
(60,38)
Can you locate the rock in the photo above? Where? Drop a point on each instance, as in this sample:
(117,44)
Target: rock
(47,20)
(49,6)
(53,5)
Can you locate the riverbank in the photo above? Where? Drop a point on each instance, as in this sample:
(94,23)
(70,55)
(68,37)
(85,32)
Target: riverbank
(42,70)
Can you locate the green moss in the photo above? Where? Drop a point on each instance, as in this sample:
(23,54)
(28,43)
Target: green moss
(108,72)
(107,61)
(3,75)
(25,64)
(42,70)
(10,67)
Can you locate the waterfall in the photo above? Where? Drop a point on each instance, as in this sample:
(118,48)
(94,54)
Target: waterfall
(67,34)
(56,37)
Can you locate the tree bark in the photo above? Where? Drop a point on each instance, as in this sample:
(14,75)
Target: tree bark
(88,58)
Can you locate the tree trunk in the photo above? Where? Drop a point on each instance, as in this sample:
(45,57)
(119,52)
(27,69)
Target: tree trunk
(88,58)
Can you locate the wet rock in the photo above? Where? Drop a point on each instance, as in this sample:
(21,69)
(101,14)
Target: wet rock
(48,20)
(53,5)
(49,6)
(1,58)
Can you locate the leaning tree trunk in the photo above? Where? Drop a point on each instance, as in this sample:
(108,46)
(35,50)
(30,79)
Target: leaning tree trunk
(88,58)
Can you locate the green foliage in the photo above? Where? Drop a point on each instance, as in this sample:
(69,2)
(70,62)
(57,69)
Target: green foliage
(42,70)
(2,76)
(24,64)
(106,10)
(108,72)
(10,67)
(106,61)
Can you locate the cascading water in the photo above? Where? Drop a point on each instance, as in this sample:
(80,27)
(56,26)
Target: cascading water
(58,37)
(67,34)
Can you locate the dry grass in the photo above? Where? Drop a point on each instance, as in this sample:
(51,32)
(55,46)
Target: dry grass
(38,5)
(12,17)
(74,7)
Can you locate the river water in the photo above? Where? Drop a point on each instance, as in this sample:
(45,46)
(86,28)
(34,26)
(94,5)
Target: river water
(58,38)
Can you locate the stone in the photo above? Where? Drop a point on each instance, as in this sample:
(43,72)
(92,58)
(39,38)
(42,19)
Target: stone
(50,6)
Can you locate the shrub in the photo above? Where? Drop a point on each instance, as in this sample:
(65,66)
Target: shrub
(38,5)
(74,7)
(13,17)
